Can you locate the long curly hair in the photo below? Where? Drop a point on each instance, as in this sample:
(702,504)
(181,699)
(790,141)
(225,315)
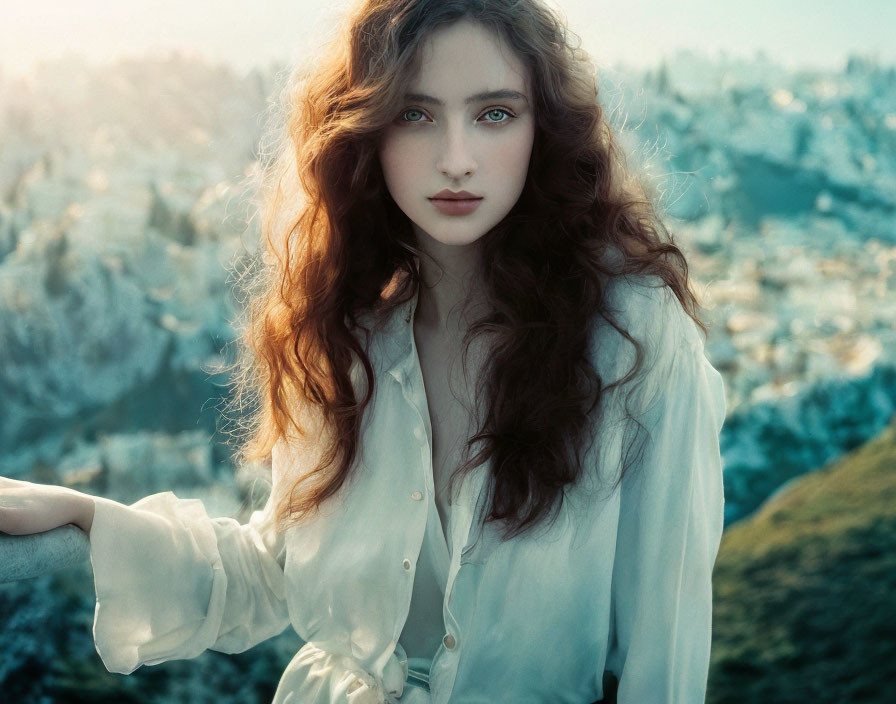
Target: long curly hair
(335,246)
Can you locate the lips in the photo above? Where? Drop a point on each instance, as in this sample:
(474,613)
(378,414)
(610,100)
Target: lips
(456,206)
(452,195)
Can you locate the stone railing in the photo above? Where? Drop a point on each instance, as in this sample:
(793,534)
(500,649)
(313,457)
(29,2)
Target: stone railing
(27,556)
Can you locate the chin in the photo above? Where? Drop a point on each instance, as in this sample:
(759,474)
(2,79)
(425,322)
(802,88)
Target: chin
(458,239)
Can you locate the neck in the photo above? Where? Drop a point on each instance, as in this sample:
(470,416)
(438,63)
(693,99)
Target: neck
(451,295)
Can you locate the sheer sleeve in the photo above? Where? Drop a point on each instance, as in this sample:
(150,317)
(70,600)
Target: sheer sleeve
(172,582)
(670,525)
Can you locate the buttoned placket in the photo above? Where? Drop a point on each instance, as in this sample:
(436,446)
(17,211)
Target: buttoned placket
(408,563)
(445,660)
(407,372)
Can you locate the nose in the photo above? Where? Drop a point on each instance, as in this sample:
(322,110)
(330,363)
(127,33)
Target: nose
(456,158)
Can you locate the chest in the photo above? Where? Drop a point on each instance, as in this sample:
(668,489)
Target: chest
(450,398)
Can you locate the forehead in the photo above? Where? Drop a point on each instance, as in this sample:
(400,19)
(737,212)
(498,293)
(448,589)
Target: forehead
(465,57)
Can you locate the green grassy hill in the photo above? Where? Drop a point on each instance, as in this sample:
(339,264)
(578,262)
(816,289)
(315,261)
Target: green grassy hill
(805,589)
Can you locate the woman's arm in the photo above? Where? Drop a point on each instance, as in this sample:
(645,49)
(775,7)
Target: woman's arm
(670,527)
(39,529)
(27,508)
(170,581)
(84,515)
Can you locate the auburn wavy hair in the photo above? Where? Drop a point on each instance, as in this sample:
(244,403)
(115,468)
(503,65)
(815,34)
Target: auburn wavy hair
(335,245)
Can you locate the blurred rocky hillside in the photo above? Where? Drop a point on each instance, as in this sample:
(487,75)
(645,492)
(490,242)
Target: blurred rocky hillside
(123,218)
(124,215)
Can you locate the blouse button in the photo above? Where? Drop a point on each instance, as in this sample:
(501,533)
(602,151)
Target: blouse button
(416,496)
(449,641)
(406,563)
(418,433)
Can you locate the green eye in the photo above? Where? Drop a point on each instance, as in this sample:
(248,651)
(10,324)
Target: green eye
(412,110)
(495,113)
(498,112)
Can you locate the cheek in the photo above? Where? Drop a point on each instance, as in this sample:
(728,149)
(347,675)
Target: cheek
(397,159)
(521,156)
(514,159)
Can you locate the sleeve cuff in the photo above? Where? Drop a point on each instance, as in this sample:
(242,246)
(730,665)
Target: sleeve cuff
(159,581)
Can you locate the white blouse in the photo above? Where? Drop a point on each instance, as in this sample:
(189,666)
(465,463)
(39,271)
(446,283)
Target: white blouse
(424,628)
(621,581)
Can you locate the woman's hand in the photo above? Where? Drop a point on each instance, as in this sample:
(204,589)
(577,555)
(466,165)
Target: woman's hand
(34,508)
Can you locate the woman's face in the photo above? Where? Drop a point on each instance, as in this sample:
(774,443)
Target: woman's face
(451,136)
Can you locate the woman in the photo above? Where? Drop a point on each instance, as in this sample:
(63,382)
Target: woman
(479,376)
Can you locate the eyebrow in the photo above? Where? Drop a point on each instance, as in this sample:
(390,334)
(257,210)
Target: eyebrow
(503,94)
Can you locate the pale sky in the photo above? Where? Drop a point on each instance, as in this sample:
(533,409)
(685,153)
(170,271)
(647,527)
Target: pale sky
(635,32)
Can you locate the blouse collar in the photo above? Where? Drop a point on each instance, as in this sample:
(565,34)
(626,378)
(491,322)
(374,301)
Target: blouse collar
(399,355)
